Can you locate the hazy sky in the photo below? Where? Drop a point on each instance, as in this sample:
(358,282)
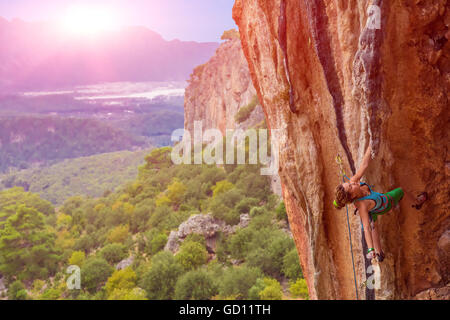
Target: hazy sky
(198,20)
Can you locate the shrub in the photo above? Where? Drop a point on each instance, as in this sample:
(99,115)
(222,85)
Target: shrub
(240,242)
(122,280)
(159,158)
(195,237)
(230,35)
(238,281)
(94,273)
(246,204)
(232,217)
(291,265)
(158,243)
(266,289)
(253,293)
(159,215)
(159,281)
(85,243)
(77,258)
(119,234)
(16,291)
(176,191)
(272,290)
(192,255)
(299,289)
(195,285)
(113,252)
(257,211)
(281,211)
(269,254)
(222,187)
(245,111)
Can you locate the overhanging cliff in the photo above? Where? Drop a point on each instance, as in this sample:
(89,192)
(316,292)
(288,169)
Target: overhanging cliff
(333,75)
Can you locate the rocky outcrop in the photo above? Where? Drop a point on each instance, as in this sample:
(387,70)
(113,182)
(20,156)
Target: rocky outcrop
(125,263)
(205,225)
(333,76)
(218,89)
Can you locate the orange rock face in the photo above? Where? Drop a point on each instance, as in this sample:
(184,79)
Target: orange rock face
(218,89)
(334,76)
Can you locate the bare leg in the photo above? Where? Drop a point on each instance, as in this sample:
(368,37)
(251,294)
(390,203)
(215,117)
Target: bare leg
(376,238)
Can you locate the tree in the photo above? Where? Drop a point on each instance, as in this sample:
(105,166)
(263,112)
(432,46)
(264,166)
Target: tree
(17,196)
(237,281)
(268,250)
(222,187)
(192,255)
(119,234)
(271,291)
(113,252)
(176,191)
(27,248)
(299,289)
(16,291)
(85,243)
(291,265)
(94,273)
(158,243)
(124,279)
(281,211)
(160,280)
(77,258)
(159,215)
(195,285)
(159,158)
(63,221)
(246,204)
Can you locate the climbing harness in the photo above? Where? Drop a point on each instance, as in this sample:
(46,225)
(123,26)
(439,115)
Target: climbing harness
(342,173)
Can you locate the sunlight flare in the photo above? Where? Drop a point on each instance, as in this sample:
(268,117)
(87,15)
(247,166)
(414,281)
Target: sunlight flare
(89,20)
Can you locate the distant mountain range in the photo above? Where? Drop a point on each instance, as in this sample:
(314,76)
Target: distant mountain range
(40,56)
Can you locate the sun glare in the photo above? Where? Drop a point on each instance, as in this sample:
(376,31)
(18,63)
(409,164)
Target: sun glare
(89,20)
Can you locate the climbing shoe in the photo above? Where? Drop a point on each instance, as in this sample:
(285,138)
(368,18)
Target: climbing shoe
(380,256)
(419,206)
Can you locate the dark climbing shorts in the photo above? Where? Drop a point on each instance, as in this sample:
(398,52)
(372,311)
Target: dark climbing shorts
(394,198)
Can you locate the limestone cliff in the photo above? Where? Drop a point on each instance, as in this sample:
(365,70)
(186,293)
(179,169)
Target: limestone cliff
(216,92)
(332,76)
(219,88)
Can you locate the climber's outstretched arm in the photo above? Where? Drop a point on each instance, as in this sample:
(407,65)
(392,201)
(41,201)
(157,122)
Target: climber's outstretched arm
(364,214)
(363,167)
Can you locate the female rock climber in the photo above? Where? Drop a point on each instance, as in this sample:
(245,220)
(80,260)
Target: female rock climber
(371,204)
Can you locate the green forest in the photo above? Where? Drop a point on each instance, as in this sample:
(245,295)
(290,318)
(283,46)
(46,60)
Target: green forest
(25,140)
(90,176)
(130,227)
